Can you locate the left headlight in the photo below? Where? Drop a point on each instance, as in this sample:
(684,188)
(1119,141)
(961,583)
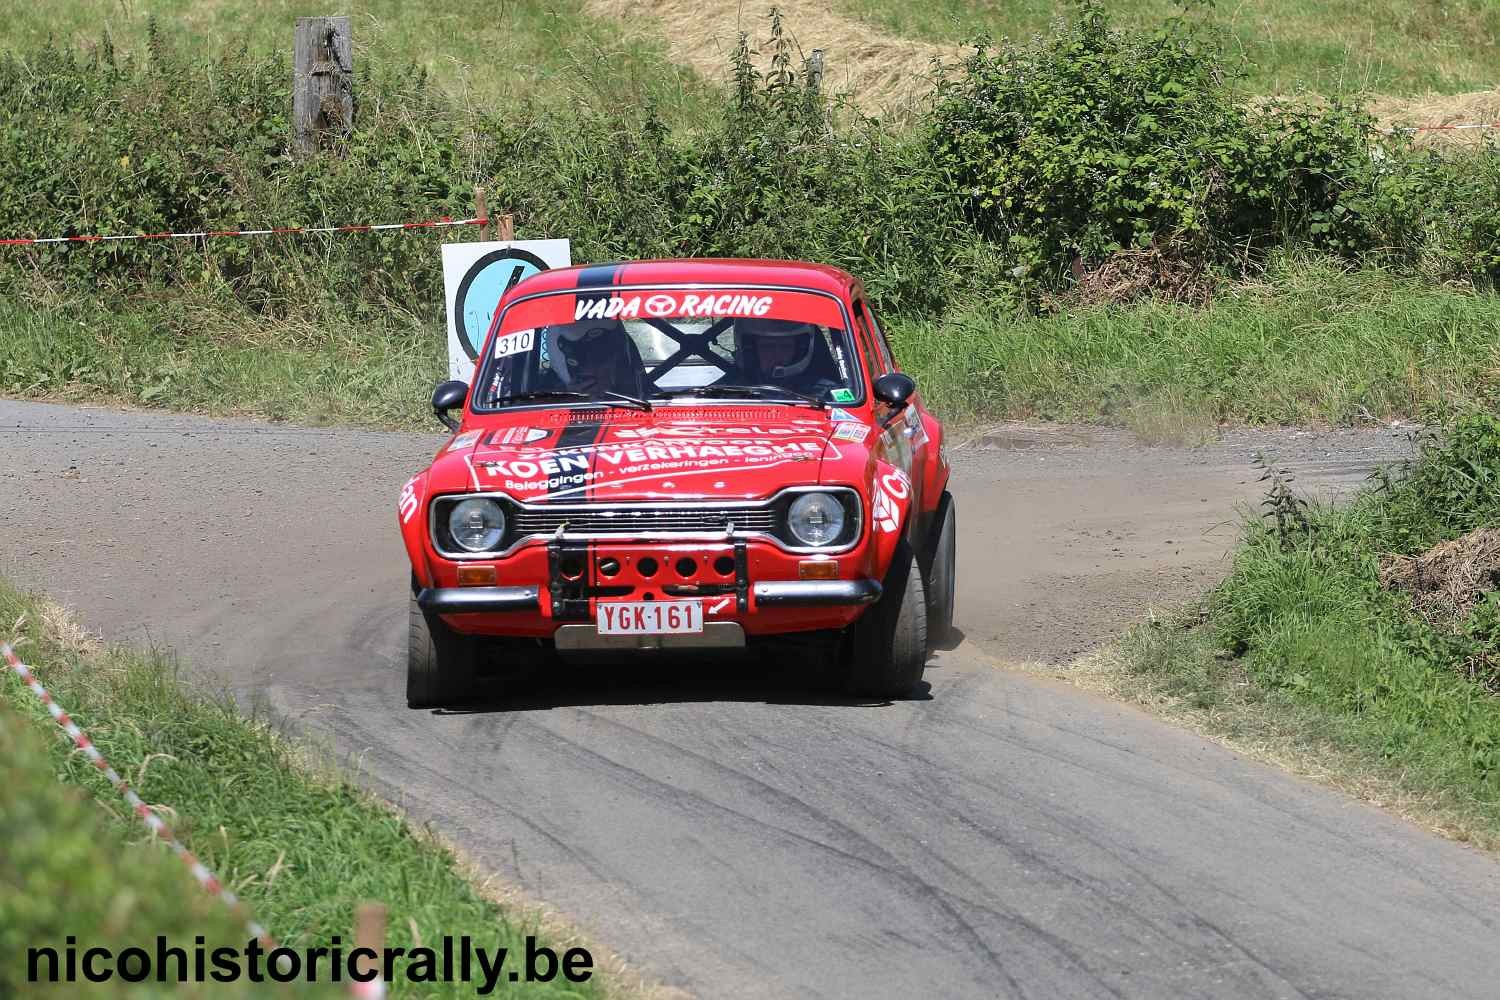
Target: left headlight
(815,519)
(476,524)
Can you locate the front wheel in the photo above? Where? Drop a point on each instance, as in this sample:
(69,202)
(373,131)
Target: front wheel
(439,661)
(889,648)
(941,570)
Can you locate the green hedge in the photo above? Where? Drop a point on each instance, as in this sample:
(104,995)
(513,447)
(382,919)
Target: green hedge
(1032,162)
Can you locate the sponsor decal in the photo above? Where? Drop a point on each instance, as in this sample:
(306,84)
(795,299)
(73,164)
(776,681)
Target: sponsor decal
(842,395)
(841,416)
(627,457)
(515,343)
(575,468)
(408,503)
(855,433)
(890,489)
(660,305)
(711,430)
(884,512)
(464,440)
(519,435)
(918,428)
(604,299)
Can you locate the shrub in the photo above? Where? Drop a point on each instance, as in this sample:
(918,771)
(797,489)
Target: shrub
(1094,140)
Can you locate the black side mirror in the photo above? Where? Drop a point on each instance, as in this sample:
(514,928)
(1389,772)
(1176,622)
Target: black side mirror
(447,396)
(894,389)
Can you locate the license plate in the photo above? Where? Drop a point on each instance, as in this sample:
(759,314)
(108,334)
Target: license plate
(649,617)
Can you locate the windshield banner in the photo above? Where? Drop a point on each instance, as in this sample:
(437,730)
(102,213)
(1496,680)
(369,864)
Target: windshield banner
(697,303)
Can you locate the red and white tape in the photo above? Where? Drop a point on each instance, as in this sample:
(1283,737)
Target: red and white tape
(207,879)
(441,223)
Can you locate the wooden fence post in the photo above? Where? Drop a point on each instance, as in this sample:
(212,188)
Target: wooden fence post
(369,932)
(482,211)
(322,80)
(815,70)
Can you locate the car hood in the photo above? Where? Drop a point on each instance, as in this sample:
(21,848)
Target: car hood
(670,453)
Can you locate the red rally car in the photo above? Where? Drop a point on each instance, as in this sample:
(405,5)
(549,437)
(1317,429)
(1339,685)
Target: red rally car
(681,454)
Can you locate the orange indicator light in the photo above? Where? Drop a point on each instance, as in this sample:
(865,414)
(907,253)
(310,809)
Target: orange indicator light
(476,576)
(818,569)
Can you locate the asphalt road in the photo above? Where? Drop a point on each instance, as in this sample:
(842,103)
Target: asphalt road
(1005,836)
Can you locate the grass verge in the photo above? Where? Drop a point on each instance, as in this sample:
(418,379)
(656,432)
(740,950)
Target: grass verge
(69,868)
(300,843)
(1314,345)
(1303,658)
(507,54)
(219,359)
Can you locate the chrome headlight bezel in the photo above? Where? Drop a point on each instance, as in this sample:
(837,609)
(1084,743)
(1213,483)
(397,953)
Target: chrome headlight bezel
(808,503)
(491,509)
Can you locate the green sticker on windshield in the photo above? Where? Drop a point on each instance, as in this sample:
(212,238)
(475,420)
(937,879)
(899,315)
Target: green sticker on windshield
(843,395)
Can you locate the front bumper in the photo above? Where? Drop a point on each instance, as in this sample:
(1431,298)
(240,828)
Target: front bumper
(777,593)
(816,593)
(465,600)
(747,581)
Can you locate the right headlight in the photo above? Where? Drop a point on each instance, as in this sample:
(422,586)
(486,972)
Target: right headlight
(476,524)
(815,519)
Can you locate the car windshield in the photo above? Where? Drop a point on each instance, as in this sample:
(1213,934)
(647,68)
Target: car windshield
(642,344)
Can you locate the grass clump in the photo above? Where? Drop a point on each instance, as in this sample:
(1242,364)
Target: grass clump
(1304,655)
(301,846)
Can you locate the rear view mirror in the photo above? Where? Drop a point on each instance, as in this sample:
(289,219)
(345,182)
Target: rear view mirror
(447,396)
(894,389)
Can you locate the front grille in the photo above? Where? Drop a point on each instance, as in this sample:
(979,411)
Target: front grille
(637,520)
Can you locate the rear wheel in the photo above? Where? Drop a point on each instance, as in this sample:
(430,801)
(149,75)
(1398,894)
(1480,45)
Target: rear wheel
(941,568)
(888,651)
(439,661)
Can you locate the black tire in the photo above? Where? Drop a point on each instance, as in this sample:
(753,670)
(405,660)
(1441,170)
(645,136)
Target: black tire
(439,661)
(942,563)
(888,651)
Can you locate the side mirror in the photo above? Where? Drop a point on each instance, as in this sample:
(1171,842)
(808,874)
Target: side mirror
(447,396)
(894,389)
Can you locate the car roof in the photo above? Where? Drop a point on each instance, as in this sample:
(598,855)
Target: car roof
(693,271)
